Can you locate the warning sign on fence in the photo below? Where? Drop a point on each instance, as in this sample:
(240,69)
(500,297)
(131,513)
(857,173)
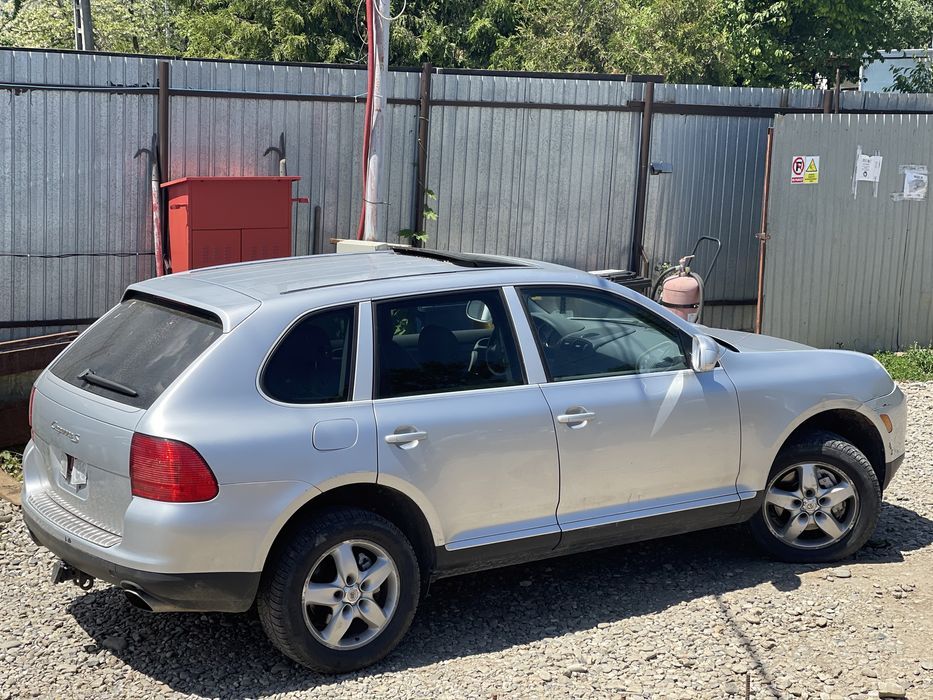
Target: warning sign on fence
(805,170)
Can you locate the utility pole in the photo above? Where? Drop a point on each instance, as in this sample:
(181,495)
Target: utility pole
(84,25)
(375,215)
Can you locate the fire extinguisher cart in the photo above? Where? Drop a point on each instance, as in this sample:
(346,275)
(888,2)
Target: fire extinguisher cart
(680,289)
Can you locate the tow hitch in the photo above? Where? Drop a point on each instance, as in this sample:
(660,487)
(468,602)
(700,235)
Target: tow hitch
(62,572)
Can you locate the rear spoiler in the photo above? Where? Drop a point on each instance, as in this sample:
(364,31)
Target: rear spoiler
(228,305)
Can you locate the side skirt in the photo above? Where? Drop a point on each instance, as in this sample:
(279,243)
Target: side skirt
(528,549)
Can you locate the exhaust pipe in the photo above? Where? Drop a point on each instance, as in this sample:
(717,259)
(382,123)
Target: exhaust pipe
(138,598)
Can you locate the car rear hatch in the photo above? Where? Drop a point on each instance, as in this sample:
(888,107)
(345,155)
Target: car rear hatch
(88,404)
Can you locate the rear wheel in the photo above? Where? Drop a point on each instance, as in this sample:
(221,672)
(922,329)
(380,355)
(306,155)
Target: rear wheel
(821,502)
(341,593)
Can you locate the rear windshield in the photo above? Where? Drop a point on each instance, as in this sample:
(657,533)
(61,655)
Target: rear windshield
(139,347)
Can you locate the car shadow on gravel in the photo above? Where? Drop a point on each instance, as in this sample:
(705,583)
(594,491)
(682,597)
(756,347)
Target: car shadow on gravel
(228,656)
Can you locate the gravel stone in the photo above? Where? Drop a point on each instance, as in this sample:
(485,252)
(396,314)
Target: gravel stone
(681,618)
(115,644)
(890,689)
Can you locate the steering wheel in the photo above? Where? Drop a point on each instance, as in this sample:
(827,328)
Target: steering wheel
(664,355)
(496,359)
(548,336)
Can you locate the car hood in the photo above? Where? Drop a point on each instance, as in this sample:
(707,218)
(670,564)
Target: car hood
(752,342)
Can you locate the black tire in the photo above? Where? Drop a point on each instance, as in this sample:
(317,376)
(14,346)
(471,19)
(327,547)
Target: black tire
(832,450)
(279,600)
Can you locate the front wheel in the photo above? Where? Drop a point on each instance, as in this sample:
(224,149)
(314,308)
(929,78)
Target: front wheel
(821,502)
(341,592)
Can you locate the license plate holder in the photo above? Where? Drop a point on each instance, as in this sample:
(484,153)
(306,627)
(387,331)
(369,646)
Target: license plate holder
(73,472)
(78,473)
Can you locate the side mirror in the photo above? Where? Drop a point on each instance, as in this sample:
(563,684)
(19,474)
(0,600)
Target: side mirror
(478,311)
(705,353)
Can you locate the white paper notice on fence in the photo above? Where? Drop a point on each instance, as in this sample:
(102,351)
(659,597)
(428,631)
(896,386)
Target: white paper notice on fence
(868,168)
(915,182)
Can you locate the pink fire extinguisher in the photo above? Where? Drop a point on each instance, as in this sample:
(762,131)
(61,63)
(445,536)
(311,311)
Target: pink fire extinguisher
(681,289)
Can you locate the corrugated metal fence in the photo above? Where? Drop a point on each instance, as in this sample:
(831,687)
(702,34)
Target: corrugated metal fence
(850,270)
(69,185)
(552,183)
(541,166)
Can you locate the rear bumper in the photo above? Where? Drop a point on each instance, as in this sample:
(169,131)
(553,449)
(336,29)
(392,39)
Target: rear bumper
(193,592)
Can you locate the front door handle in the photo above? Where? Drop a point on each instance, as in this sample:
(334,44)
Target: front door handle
(406,437)
(576,417)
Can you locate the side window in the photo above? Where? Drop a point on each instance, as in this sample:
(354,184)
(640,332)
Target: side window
(313,363)
(584,334)
(444,342)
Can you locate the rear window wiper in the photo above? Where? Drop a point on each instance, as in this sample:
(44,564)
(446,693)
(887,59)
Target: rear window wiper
(90,377)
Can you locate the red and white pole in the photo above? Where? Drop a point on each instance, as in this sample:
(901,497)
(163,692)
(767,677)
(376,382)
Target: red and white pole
(373,191)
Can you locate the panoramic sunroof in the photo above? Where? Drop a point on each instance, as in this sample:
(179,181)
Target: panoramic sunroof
(461,259)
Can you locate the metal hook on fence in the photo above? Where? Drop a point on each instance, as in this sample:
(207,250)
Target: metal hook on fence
(156,195)
(280,152)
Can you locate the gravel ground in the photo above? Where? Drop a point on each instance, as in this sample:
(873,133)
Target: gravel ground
(685,617)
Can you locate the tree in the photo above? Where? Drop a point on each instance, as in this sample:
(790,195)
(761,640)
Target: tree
(130,26)
(917,78)
(8,12)
(278,30)
(798,42)
(48,24)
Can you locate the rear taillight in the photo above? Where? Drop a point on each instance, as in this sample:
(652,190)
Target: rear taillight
(32,398)
(168,470)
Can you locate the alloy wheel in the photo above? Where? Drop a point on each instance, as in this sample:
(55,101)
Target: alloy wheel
(351,594)
(811,505)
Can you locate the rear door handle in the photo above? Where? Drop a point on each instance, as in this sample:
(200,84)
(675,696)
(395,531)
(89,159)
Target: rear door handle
(406,437)
(576,417)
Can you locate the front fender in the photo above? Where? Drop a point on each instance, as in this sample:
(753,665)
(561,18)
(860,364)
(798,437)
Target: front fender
(779,391)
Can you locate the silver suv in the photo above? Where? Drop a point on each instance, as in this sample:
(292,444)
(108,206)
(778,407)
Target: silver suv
(324,436)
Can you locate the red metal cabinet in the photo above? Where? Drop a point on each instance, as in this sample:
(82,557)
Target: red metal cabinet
(219,220)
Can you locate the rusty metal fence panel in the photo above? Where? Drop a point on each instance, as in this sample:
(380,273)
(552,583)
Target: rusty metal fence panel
(848,271)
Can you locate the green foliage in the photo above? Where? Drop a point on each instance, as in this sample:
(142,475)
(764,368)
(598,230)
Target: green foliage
(795,42)
(917,78)
(429,214)
(412,236)
(914,364)
(130,26)
(278,30)
(12,463)
(46,24)
(685,40)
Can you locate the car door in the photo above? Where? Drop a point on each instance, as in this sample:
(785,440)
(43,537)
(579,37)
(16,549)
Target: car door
(639,432)
(461,426)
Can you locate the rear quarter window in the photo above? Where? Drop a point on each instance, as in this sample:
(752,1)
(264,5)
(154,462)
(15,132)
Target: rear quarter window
(141,344)
(313,363)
